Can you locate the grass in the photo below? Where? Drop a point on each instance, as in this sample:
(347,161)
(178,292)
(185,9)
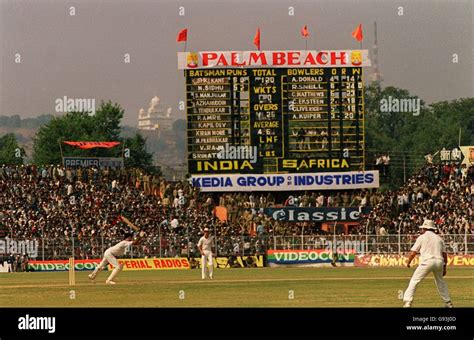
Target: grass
(251,287)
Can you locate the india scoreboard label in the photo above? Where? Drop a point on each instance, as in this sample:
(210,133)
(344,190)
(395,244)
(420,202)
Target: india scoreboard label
(274,112)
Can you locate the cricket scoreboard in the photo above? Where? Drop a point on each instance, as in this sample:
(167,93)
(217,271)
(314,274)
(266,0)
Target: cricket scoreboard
(274,112)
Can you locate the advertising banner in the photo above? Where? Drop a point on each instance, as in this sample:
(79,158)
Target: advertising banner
(287,182)
(468,155)
(307,258)
(395,260)
(250,59)
(62,265)
(323,214)
(254,261)
(154,264)
(96,162)
(129,264)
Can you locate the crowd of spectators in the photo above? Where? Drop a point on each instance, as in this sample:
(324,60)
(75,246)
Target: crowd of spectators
(79,208)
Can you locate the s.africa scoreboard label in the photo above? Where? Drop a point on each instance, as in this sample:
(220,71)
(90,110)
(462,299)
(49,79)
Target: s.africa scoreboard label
(274,112)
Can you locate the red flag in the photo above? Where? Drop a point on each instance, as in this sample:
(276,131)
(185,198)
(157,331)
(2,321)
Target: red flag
(182,35)
(357,34)
(92,145)
(256,39)
(304,31)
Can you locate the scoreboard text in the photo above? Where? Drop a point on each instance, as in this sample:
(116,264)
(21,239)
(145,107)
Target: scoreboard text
(270,120)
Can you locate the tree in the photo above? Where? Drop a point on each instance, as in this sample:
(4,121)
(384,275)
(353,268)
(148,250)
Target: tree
(79,126)
(408,137)
(74,126)
(10,152)
(139,157)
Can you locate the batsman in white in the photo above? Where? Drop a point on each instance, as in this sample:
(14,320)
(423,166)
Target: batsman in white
(433,259)
(205,245)
(111,254)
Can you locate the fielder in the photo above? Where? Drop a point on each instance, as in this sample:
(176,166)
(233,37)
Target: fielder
(205,245)
(111,254)
(433,259)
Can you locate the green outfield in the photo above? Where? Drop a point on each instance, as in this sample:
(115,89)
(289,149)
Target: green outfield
(253,287)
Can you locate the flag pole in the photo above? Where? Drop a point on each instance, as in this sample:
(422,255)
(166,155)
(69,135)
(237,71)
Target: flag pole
(185,44)
(306,43)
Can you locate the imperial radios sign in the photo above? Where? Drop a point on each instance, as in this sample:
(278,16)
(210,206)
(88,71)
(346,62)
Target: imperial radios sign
(274,112)
(324,181)
(293,214)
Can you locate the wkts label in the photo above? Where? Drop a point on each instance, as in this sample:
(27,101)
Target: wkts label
(292,214)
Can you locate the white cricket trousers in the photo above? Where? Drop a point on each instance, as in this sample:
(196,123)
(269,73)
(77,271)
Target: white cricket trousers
(205,260)
(424,268)
(108,258)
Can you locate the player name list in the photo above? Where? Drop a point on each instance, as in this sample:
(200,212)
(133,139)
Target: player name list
(299,120)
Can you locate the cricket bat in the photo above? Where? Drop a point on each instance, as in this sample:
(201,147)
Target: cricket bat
(130,224)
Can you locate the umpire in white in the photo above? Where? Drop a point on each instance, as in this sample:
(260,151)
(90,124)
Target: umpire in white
(205,245)
(433,259)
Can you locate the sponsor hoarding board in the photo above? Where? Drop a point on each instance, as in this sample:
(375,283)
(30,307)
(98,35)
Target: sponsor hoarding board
(154,263)
(322,214)
(62,265)
(275,111)
(307,258)
(395,260)
(288,182)
(250,59)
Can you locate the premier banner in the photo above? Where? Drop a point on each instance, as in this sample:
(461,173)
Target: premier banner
(323,214)
(307,258)
(395,260)
(253,59)
(96,162)
(287,182)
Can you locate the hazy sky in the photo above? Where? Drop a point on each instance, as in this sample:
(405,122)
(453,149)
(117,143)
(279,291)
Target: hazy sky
(81,56)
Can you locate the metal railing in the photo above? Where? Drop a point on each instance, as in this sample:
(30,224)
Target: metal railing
(371,244)
(186,246)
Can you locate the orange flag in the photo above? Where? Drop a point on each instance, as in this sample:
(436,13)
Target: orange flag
(304,31)
(256,39)
(182,35)
(357,34)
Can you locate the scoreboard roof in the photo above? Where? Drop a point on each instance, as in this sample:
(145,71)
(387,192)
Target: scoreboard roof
(285,59)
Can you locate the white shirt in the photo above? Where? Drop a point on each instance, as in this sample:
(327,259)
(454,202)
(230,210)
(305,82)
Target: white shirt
(119,248)
(205,243)
(174,223)
(430,246)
